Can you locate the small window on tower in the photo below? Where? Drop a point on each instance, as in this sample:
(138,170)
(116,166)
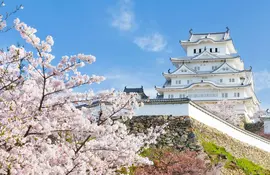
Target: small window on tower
(224,95)
(216,49)
(237,94)
(211,50)
(200,50)
(197,68)
(194,51)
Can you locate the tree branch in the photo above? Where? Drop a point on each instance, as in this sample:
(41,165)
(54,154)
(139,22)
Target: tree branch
(28,130)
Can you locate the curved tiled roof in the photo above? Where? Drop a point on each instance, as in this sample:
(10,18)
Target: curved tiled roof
(225,63)
(204,73)
(204,39)
(193,58)
(140,91)
(185,67)
(205,82)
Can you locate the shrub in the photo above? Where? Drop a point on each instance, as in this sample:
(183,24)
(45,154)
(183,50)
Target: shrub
(169,162)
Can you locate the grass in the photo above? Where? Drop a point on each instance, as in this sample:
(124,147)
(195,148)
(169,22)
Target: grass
(219,154)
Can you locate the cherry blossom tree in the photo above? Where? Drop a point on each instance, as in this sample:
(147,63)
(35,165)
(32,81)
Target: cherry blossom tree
(226,110)
(170,163)
(3,18)
(42,130)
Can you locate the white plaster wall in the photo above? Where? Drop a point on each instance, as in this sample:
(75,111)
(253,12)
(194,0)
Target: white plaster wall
(204,117)
(207,66)
(163,109)
(200,114)
(214,78)
(213,93)
(267,126)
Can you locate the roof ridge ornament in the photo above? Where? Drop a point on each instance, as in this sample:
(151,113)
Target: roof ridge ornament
(190,31)
(227,29)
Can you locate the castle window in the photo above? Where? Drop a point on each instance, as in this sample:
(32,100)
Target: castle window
(225,68)
(216,49)
(221,80)
(170,96)
(178,82)
(187,81)
(197,68)
(231,80)
(200,50)
(236,94)
(211,50)
(224,95)
(183,70)
(214,67)
(182,96)
(194,51)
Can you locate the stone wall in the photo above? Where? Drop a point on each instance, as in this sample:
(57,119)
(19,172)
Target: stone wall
(179,131)
(184,133)
(235,147)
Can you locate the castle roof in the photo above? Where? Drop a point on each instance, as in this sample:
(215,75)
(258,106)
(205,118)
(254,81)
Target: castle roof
(213,37)
(205,55)
(217,36)
(139,91)
(209,83)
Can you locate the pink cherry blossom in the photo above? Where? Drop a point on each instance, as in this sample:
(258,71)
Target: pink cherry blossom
(45,127)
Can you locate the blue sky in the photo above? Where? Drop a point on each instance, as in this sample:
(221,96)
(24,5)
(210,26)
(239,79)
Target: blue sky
(133,40)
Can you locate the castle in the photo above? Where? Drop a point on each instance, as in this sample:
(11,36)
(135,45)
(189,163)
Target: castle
(211,71)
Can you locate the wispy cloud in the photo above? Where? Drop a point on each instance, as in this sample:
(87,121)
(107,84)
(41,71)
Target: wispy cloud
(123,17)
(153,43)
(262,80)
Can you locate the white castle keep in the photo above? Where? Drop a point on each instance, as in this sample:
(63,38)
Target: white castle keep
(211,71)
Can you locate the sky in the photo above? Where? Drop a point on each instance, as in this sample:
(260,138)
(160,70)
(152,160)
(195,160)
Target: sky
(133,40)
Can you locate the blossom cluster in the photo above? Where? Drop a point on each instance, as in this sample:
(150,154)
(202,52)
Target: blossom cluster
(45,127)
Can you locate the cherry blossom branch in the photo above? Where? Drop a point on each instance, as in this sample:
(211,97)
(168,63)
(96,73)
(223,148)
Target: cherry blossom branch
(83,143)
(70,171)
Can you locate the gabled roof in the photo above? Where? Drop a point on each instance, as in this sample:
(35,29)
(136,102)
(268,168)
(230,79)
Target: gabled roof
(225,67)
(203,83)
(169,76)
(183,69)
(200,58)
(140,91)
(205,55)
(217,37)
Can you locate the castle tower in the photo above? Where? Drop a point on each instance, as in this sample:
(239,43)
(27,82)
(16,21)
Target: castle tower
(211,71)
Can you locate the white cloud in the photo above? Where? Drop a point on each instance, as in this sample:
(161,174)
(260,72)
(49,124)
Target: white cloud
(154,42)
(262,80)
(123,18)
